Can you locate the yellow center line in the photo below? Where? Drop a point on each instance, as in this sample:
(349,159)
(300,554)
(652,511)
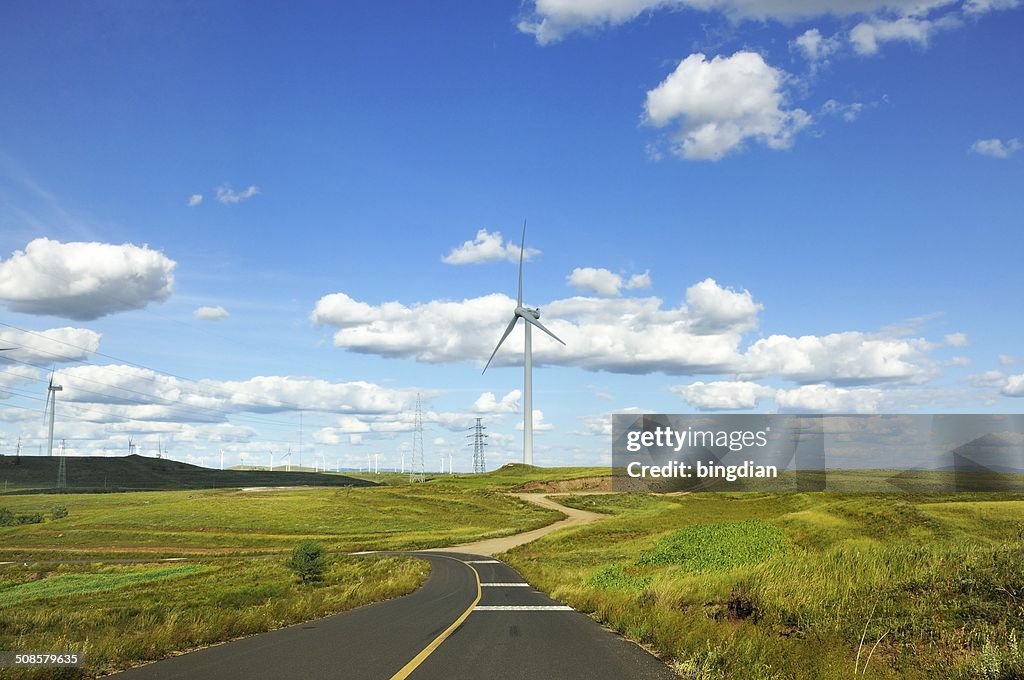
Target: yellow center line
(408,668)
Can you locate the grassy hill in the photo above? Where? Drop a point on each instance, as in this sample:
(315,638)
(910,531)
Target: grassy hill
(139,473)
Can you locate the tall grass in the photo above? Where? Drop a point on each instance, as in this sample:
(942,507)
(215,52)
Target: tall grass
(120,616)
(795,586)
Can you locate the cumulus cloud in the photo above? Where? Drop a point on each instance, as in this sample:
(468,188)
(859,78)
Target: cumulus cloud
(868,35)
(626,335)
(996,148)
(551,20)
(487,247)
(194,200)
(606,282)
(54,345)
(84,281)
(723,395)
(210,313)
(827,399)
(639,281)
(849,357)
(600,281)
(1014,386)
(815,47)
(539,425)
(227,195)
(140,394)
(634,335)
(487,403)
(956,339)
(960,361)
(721,103)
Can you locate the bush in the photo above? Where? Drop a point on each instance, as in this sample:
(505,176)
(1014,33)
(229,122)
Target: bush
(308,561)
(59,511)
(34,518)
(6,517)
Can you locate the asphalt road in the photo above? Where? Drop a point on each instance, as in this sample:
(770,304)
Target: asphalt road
(511,632)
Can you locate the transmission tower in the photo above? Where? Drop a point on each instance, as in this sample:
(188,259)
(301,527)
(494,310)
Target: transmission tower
(416,469)
(62,472)
(479,442)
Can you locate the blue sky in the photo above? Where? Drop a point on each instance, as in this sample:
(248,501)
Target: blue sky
(826,205)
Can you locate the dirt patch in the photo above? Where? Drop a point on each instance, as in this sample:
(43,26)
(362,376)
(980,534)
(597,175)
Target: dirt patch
(565,485)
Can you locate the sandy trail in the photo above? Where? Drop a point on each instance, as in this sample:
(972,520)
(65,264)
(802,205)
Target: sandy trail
(493,546)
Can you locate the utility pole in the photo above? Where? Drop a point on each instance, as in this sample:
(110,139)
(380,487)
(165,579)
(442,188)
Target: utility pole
(416,470)
(62,472)
(479,442)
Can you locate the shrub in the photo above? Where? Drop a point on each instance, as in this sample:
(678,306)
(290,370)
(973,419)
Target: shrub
(34,518)
(59,511)
(6,517)
(308,561)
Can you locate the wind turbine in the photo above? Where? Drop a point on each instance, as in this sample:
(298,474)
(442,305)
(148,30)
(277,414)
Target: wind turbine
(531,316)
(287,457)
(51,401)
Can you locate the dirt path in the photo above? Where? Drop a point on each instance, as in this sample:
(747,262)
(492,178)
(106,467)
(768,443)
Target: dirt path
(493,546)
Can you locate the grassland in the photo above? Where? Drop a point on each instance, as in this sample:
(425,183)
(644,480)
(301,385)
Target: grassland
(238,522)
(800,586)
(123,615)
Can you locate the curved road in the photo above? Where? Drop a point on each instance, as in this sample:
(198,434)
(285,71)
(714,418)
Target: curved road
(474,618)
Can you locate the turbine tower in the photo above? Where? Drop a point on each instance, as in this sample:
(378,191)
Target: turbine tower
(532,318)
(51,401)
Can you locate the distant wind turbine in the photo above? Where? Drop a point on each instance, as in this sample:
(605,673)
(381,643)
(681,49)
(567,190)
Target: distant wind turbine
(51,401)
(532,318)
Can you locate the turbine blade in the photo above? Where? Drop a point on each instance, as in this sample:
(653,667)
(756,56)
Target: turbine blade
(511,325)
(539,325)
(522,249)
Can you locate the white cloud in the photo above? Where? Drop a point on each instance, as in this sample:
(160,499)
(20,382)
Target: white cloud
(440,441)
(826,399)
(866,36)
(487,403)
(538,422)
(717,309)
(626,335)
(848,112)
(634,335)
(956,339)
(600,281)
(210,313)
(487,247)
(1014,386)
(639,281)
(139,394)
(988,378)
(723,395)
(978,7)
(996,148)
(722,103)
(851,357)
(226,195)
(194,200)
(1007,360)
(16,374)
(55,345)
(960,361)
(606,282)
(815,47)
(84,281)
(551,20)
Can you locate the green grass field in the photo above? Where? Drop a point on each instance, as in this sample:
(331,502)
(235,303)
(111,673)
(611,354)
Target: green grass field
(801,585)
(238,522)
(122,615)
